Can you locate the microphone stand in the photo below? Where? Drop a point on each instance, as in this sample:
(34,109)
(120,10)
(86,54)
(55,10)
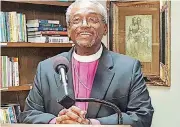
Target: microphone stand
(109,104)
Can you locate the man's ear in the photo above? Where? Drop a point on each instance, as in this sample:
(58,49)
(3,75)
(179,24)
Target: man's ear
(105,29)
(69,32)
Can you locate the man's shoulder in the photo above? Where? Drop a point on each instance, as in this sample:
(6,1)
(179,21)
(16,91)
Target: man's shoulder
(49,61)
(117,57)
(123,63)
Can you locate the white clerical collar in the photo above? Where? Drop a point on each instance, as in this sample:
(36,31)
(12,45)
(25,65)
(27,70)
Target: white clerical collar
(89,58)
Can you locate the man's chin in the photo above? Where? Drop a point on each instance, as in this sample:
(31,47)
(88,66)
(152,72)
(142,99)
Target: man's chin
(85,44)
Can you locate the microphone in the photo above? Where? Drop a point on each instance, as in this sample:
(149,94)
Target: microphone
(61,66)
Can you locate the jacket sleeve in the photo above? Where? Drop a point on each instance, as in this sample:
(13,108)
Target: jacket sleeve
(34,111)
(139,109)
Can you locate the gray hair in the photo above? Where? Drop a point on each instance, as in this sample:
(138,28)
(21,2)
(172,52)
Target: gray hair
(101,8)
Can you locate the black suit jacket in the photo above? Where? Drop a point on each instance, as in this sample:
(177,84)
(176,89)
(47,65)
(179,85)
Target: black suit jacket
(118,79)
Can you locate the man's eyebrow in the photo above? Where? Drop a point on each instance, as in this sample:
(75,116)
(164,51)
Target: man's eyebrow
(89,12)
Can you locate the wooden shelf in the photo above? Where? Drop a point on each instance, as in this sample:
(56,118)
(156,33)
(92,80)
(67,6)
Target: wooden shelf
(55,3)
(33,45)
(17,88)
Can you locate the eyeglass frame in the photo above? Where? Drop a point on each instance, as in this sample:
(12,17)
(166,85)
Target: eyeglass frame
(87,22)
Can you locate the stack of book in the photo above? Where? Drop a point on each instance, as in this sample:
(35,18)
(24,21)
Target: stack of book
(9,71)
(12,27)
(46,31)
(9,113)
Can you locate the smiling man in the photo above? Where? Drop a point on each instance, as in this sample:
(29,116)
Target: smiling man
(94,72)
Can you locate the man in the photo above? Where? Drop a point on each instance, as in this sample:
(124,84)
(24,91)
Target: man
(94,72)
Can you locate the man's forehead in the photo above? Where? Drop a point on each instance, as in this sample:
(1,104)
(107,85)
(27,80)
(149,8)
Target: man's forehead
(84,9)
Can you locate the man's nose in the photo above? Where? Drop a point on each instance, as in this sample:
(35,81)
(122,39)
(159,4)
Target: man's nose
(84,22)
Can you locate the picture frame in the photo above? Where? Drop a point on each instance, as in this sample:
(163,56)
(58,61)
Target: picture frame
(155,71)
(165,41)
(121,26)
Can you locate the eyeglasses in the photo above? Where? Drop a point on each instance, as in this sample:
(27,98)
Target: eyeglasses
(90,21)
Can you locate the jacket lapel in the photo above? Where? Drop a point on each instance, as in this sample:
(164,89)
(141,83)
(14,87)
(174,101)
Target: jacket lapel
(102,81)
(69,76)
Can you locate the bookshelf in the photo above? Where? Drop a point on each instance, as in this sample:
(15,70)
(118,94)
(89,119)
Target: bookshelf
(16,88)
(56,3)
(32,45)
(30,54)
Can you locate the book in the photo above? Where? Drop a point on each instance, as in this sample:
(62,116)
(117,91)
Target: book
(3,116)
(9,113)
(43,25)
(34,33)
(15,71)
(3,37)
(49,39)
(13,27)
(12,115)
(0,72)
(4,71)
(42,21)
(24,28)
(47,29)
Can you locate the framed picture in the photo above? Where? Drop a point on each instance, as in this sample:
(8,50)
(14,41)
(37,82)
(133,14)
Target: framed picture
(134,31)
(141,30)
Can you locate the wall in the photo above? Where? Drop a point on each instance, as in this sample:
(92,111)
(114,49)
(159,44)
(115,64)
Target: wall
(166,101)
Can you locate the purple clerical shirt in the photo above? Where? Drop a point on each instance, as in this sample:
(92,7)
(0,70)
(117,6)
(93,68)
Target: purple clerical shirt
(83,76)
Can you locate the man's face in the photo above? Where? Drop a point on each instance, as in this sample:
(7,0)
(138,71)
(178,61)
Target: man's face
(86,27)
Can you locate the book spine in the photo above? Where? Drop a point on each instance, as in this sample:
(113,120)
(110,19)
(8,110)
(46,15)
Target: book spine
(8,26)
(7,71)
(58,39)
(17,110)
(21,28)
(49,21)
(63,33)
(3,116)
(4,70)
(1,27)
(13,27)
(8,120)
(16,72)
(49,25)
(49,39)
(1,72)
(10,73)
(14,113)
(4,26)
(24,26)
(11,115)
(46,29)
(19,25)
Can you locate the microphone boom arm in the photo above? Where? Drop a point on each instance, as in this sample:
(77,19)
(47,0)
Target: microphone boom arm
(109,104)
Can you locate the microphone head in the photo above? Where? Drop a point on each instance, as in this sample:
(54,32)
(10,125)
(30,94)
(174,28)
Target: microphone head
(60,62)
